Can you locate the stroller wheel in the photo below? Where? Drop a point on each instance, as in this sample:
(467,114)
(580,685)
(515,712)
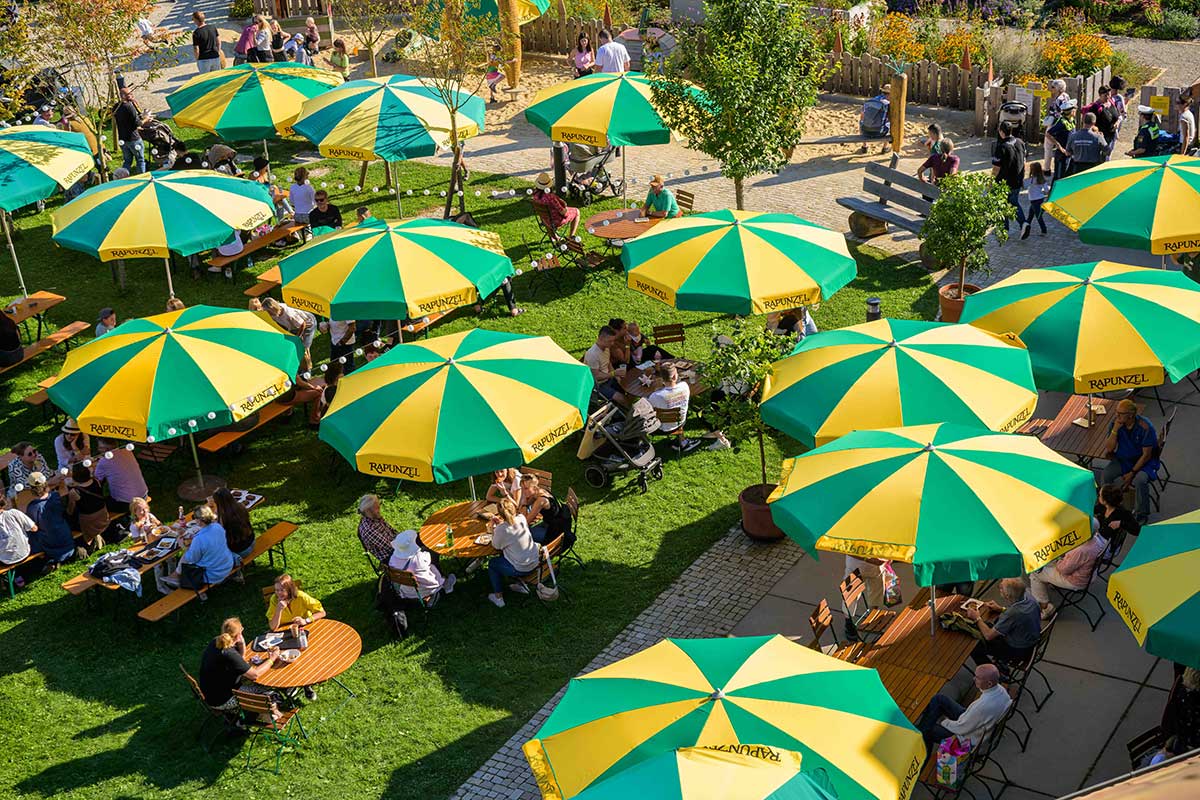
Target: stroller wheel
(595,477)
(643,484)
(657,472)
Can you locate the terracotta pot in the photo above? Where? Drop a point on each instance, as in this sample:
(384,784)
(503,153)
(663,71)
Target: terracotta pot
(950,303)
(757,522)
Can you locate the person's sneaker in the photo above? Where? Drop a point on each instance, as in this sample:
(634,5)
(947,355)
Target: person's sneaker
(473,566)
(519,588)
(1025,231)
(1043,233)
(1048,611)
(449,585)
(310,693)
(497,600)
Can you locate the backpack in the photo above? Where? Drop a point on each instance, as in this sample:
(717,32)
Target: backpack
(1164,143)
(1106,120)
(875,119)
(392,607)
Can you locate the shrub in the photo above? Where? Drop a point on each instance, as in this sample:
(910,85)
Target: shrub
(896,37)
(1013,55)
(1074,54)
(949,50)
(1176,25)
(241,9)
(1186,6)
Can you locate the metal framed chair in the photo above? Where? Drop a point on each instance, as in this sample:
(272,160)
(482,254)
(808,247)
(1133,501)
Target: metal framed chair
(820,621)
(227,720)
(268,724)
(1073,598)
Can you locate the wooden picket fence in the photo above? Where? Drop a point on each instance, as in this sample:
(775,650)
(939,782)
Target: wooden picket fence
(286,9)
(549,34)
(928,83)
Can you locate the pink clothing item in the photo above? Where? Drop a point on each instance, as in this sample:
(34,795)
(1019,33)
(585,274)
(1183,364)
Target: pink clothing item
(1076,566)
(583,60)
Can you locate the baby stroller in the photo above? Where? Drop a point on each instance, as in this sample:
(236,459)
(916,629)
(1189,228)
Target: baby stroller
(588,175)
(617,441)
(158,140)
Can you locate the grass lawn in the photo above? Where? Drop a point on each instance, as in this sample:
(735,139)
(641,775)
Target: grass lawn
(92,704)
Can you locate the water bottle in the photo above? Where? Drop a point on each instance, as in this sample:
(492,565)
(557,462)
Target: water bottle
(449,537)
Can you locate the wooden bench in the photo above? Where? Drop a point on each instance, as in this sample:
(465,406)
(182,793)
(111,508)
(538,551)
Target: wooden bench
(271,540)
(9,572)
(903,201)
(258,243)
(421,327)
(219,441)
(268,280)
(61,336)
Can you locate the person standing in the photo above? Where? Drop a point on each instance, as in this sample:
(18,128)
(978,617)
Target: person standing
(1057,137)
(245,43)
(612,56)
(584,57)
(1107,118)
(1054,106)
(206,44)
(1039,189)
(1086,146)
(261,54)
(278,37)
(128,118)
(1187,124)
(339,59)
(312,36)
(1008,167)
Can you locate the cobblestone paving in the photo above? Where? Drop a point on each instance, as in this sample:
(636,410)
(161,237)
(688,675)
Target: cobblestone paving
(707,600)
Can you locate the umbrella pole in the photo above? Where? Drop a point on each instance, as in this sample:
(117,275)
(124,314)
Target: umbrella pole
(266,154)
(396,186)
(13,252)
(471,481)
(932,611)
(624,183)
(200,488)
(170,285)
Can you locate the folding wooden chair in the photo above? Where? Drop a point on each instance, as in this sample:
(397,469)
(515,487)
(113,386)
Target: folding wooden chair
(580,256)
(400,577)
(1143,745)
(685,200)
(572,502)
(821,620)
(869,620)
(669,334)
(227,721)
(268,724)
(544,573)
(545,479)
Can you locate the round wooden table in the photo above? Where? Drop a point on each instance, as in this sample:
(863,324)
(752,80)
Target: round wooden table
(620,225)
(631,385)
(462,517)
(333,647)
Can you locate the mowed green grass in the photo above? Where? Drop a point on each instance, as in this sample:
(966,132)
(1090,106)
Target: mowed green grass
(92,703)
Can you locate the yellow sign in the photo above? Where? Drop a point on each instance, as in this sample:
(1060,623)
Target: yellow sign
(1161,104)
(1042,93)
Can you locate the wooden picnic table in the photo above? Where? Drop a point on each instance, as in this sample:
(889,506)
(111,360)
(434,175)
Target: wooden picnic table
(464,520)
(632,385)
(622,224)
(333,647)
(913,664)
(84,581)
(34,306)
(1062,435)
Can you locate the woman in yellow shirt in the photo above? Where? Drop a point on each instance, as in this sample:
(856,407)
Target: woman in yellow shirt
(290,605)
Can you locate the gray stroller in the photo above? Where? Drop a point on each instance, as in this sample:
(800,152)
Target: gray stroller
(616,441)
(588,175)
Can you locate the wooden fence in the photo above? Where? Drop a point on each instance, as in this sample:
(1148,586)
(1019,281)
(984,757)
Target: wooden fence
(549,34)
(284,9)
(1035,95)
(928,83)
(1170,120)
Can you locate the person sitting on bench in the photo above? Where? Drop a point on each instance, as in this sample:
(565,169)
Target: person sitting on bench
(11,349)
(208,559)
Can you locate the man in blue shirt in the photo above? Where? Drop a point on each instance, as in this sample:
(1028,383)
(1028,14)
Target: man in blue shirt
(1131,445)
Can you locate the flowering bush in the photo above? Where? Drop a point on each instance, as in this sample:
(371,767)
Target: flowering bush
(949,49)
(1074,54)
(896,37)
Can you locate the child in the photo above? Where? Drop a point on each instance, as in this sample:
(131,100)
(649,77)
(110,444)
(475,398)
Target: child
(934,141)
(339,59)
(494,75)
(1039,189)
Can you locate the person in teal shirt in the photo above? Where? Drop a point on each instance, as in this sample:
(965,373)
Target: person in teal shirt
(660,202)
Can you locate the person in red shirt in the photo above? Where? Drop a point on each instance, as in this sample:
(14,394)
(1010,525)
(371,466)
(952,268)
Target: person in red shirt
(556,208)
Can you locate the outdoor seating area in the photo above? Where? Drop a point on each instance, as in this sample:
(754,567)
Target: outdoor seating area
(586,449)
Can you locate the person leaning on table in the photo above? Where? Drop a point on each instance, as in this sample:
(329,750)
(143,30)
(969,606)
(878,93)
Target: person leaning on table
(519,553)
(223,667)
(208,549)
(1014,635)
(1130,446)
(660,202)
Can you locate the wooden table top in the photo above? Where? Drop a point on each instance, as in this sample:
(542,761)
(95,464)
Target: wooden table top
(907,642)
(34,304)
(620,225)
(631,385)
(462,518)
(912,690)
(333,647)
(271,275)
(1064,436)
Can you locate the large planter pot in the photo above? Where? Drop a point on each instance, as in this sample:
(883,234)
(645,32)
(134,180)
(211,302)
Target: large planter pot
(949,301)
(757,522)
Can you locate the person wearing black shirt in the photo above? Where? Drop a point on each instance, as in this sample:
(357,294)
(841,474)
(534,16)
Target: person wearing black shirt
(128,118)
(1008,167)
(11,350)
(325,214)
(223,666)
(1058,133)
(206,43)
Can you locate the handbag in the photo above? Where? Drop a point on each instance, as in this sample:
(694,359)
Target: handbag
(192,576)
(952,756)
(891,585)
(548,593)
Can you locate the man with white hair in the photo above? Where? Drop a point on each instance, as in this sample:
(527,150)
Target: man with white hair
(1013,636)
(944,717)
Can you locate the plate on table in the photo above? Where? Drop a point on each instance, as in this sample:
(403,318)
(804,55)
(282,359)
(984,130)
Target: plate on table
(167,541)
(483,539)
(288,656)
(267,641)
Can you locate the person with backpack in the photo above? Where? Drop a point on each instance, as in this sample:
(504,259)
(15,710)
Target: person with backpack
(1008,166)
(1151,139)
(1057,136)
(875,118)
(1107,117)
(1086,146)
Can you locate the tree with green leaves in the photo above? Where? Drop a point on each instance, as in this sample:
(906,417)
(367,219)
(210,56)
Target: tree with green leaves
(969,207)
(456,40)
(371,22)
(760,67)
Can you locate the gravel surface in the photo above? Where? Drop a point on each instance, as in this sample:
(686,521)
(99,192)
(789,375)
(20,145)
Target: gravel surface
(1181,60)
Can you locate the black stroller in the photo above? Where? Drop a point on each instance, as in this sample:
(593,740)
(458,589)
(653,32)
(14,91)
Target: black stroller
(588,177)
(616,441)
(158,140)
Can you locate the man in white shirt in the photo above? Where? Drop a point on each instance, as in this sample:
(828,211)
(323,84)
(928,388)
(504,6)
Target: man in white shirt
(672,395)
(1187,123)
(612,56)
(944,718)
(599,361)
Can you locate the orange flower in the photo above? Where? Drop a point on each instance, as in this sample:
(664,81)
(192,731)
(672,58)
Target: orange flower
(896,37)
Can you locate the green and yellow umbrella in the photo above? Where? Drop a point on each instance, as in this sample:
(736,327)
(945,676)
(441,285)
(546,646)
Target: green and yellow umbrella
(1144,203)
(738,262)
(748,772)
(602,109)
(1155,589)
(177,373)
(390,270)
(958,503)
(1098,326)
(249,101)
(891,372)
(34,161)
(154,213)
(527,10)
(393,118)
(457,406)
(723,693)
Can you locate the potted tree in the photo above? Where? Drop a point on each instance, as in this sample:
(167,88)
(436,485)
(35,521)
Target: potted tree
(741,360)
(969,207)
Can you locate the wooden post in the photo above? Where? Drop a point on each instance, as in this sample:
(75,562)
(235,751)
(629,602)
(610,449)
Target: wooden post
(899,99)
(980,112)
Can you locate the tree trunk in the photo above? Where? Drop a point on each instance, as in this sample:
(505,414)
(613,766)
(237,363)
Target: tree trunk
(739,194)
(374,68)
(962,278)
(762,455)
(510,40)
